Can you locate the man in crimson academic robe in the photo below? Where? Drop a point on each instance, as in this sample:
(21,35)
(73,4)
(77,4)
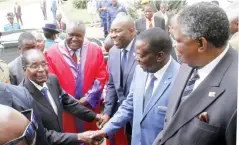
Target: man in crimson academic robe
(80,68)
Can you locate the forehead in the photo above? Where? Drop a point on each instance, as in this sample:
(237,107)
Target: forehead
(35,57)
(147,8)
(119,25)
(75,29)
(29,42)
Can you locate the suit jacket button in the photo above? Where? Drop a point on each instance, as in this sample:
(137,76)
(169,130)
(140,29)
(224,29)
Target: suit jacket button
(165,119)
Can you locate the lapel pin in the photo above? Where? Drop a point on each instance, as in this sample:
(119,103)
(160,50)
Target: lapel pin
(212,94)
(133,54)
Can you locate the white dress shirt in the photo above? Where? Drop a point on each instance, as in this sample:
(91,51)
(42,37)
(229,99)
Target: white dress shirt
(206,70)
(147,22)
(52,102)
(159,74)
(128,48)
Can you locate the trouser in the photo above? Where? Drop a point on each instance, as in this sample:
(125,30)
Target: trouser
(44,13)
(19,19)
(54,16)
(104,22)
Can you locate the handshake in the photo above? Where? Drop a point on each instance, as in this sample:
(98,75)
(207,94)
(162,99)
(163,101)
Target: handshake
(95,137)
(91,137)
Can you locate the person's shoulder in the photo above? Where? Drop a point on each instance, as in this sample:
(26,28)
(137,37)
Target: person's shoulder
(15,62)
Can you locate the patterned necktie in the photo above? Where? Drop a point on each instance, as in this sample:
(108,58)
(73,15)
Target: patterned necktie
(124,59)
(149,91)
(44,92)
(190,85)
(74,57)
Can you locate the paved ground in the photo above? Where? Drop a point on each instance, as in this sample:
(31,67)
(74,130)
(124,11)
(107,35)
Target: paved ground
(31,13)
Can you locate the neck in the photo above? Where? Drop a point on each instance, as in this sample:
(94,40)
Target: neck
(211,55)
(162,63)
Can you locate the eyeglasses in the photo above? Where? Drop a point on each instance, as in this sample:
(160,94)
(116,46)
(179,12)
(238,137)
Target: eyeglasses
(29,134)
(44,65)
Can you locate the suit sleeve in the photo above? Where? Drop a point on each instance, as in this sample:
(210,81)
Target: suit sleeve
(137,27)
(111,95)
(94,94)
(231,130)
(123,115)
(72,106)
(53,137)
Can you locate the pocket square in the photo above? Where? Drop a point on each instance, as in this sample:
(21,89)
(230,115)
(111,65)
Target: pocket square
(204,117)
(162,107)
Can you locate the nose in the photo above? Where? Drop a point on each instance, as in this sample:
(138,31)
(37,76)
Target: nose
(40,68)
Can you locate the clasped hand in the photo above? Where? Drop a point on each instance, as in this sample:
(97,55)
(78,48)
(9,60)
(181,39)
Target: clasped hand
(92,137)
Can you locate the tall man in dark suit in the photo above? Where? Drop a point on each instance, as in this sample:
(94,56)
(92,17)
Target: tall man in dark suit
(121,64)
(50,98)
(203,106)
(149,21)
(19,99)
(26,41)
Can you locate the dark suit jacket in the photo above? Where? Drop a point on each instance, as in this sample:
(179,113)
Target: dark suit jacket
(19,99)
(182,123)
(140,24)
(63,102)
(16,71)
(117,93)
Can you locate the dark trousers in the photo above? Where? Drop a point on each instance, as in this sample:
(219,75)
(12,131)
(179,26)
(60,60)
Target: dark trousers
(104,23)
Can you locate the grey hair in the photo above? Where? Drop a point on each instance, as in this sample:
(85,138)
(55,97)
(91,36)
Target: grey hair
(76,23)
(207,20)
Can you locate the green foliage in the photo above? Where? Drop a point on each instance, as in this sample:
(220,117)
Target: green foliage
(80,4)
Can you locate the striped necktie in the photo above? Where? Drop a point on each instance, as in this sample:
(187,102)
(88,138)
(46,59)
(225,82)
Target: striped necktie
(190,85)
(74,57)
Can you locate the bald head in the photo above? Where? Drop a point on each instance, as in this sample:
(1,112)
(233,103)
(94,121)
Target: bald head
(12,124)
(76,24)
(125,21)
(122,31)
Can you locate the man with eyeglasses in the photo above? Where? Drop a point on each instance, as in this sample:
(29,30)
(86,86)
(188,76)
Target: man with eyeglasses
(17,127)
(50,98)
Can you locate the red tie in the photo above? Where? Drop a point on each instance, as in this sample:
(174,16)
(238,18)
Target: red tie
(74,57)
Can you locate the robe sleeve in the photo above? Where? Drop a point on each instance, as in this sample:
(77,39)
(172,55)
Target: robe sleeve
(94,94)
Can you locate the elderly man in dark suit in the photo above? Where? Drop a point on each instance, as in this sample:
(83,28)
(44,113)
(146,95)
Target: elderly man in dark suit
(26,41)
(50,98)
(19,99)
(149,21)
(203,106)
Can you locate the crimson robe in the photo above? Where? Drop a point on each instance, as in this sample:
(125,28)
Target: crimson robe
(87,78)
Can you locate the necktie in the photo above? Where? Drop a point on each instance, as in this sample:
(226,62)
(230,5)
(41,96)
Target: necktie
(124,60)
(44,92)
(149,91)
(150,24)
(74,57)
(190,85)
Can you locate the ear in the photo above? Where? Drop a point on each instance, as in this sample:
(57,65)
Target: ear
(160,56)
(202,43)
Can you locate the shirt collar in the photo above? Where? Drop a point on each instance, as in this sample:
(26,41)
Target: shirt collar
(38,86)
(210,66)
(161,72)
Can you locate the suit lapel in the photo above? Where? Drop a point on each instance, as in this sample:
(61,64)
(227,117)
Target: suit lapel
(163,85)
(144,24)
(53,93)
(140,90)
(131,62)
(201,94)
(37,95)
(118,66)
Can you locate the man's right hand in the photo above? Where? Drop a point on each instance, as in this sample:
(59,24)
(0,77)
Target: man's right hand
(105,118)
(89,137)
